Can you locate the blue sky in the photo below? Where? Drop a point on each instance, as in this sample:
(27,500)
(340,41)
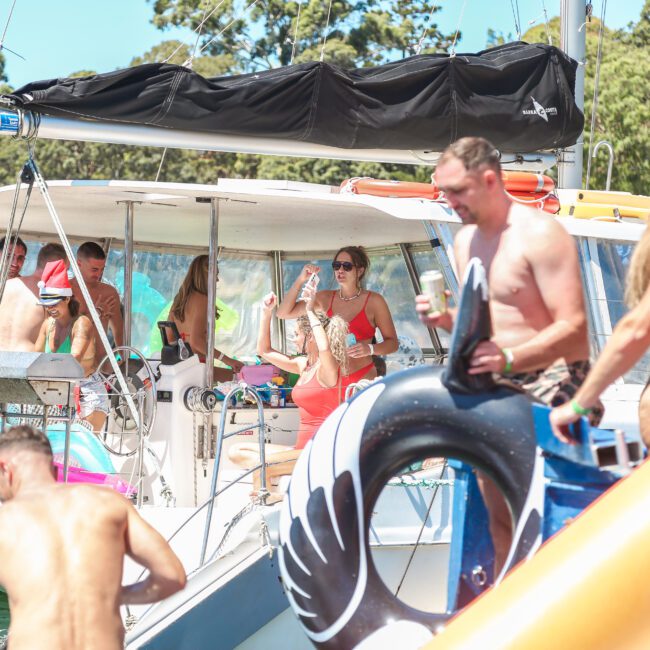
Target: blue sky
(58,37)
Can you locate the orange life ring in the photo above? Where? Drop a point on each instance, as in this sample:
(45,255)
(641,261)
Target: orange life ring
(542,200)
(527,182)
(388,188)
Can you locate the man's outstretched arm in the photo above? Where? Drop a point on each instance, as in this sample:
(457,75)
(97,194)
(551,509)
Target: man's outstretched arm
(150,549)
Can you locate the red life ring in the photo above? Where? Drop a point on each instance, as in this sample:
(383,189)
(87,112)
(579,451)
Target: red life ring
(391,189)
(527,182)
(541,200)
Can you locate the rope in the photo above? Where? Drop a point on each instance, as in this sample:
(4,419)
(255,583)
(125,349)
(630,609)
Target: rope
(327,24)
(452,50)
(295,34)
(425,31)
(424,523)
(594,107)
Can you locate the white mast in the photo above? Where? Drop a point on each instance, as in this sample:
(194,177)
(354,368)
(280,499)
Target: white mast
(573,40)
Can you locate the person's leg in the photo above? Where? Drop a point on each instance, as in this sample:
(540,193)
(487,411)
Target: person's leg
(499,519)
(222,374)
(278,464)
(96,419)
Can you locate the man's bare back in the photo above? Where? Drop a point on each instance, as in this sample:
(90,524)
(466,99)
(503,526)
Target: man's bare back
(533,276)
(20,315)
(62,549)
(64,576)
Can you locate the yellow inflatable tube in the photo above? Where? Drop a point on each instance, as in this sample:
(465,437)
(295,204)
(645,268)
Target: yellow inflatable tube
(588,587)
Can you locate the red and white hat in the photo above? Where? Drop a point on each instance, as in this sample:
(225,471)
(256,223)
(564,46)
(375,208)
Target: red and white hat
(54,285)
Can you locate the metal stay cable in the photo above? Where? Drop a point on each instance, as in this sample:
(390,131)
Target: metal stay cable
(327,24)
(452,49)
(516,17)
(5,262)
(196,29)
(94,316)
(216,36)
(295,34)
(4,33)
(424,523)
(594,105)
(425,31)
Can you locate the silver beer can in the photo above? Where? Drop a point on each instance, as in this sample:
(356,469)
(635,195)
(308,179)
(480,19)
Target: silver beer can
(433,286)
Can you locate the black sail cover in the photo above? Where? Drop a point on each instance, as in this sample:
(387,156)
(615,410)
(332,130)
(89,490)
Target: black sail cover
(520,96)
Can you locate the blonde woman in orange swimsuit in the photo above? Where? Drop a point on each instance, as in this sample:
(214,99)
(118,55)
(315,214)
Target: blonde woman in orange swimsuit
(321,365)
(365,311)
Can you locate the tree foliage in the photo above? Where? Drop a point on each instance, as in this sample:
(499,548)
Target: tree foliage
(235,39)
(622,113)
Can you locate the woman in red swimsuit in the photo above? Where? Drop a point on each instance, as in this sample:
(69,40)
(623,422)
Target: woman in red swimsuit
(319,390)
(365,311)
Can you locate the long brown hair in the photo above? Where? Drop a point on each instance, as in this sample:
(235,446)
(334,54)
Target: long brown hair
(196,280)
(359,258)
(336,329)
(638,275)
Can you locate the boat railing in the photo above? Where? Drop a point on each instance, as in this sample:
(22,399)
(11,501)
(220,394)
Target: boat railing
(245,391)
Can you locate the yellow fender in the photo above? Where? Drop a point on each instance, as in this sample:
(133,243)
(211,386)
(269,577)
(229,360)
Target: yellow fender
(588,587)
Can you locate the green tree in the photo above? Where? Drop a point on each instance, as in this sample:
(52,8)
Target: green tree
(264,35)
(623,107)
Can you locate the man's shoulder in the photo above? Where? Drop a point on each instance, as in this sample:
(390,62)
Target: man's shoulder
(534,227)
(106,289)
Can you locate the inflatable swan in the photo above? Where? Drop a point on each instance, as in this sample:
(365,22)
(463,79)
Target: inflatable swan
(325,561)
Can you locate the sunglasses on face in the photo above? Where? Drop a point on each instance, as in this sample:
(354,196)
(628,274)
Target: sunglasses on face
(346,266)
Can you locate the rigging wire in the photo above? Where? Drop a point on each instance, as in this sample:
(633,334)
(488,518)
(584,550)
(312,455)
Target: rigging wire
(4,33)
(594,106)
(517,18)
(327,24)
(452,50)
(425,31)
(11,13)
(424,523)
(295,34)
(162,160)
(196,29)
(546,24)
(252,4)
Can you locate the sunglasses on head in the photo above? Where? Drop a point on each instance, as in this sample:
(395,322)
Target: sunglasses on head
(346,266)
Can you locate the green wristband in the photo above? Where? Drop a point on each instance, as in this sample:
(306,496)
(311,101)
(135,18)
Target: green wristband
(509,357)
(579,410)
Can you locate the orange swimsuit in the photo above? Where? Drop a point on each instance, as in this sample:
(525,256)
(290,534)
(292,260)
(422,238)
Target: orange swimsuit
(315,402)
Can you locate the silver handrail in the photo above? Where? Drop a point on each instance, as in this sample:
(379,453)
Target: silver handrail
(246,390)
(610,163)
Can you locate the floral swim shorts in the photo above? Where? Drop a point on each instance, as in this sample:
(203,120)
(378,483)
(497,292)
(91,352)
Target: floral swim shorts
(557,384)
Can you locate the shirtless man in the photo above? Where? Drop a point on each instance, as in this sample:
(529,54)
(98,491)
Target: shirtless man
(540,339)
(92,260)
(21,316)
(17,255)
(63,547)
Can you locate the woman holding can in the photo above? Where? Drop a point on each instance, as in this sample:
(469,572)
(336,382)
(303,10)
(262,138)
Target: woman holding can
(365,311)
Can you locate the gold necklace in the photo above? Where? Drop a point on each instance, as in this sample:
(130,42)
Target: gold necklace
(344,299)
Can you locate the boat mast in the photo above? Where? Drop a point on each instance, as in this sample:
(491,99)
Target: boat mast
(573,40)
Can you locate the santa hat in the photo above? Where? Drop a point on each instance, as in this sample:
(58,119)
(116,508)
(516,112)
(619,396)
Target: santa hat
(54,285)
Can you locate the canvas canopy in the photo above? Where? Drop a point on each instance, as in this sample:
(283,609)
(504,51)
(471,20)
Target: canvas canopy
(520,96)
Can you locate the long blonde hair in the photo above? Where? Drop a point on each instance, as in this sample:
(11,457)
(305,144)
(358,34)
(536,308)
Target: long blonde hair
(196,280)
(336,329)
(638,275)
